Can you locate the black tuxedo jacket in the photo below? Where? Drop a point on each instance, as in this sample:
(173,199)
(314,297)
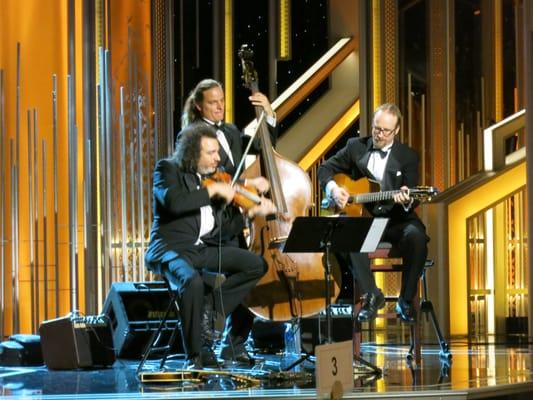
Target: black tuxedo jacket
(401,169)
(177,199)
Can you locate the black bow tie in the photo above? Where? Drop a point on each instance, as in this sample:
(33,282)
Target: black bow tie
(381,152)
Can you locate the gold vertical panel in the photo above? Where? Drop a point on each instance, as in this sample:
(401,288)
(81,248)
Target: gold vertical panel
(284,29)
(440,140)
(498,60)
(459,211)
(389,46)
(228,59)
(515,259)
(477,274)
(100,23)
(376,53)
(40,28)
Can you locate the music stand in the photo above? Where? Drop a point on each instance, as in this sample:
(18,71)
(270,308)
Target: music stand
(337,234)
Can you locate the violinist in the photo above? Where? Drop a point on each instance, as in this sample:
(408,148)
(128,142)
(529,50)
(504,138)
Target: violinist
(192,232)
(206,105)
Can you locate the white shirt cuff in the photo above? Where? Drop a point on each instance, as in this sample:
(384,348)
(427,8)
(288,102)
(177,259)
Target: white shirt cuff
(329,187)
(271,120)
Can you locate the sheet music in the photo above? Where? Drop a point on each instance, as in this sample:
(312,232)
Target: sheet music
(374,235)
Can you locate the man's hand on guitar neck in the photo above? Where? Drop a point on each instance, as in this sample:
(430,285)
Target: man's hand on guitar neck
(403,198)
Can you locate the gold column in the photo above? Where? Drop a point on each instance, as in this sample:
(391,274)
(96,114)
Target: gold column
(441,90)
(40,30)
(228,59)
(498,60)
(390,39)
(284,30)
(376,54)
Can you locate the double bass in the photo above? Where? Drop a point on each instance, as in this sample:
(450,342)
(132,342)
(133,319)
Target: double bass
(294,285)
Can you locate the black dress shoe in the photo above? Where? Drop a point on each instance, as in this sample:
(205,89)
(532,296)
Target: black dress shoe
(406,311)
(241,358)
(371,304)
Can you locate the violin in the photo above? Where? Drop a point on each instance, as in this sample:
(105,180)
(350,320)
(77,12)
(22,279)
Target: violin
(246,196)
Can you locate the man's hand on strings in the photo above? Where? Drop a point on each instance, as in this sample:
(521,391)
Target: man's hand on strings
(258,99)
(340,196)
(402,197)
(266,207)
(260,183)
(222,190)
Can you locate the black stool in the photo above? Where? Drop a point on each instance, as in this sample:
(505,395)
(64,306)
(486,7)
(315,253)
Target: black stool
(426,306)
(153,345)
(211,279)
(381,261)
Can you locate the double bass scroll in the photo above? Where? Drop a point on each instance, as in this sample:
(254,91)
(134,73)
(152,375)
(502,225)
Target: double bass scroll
(294,285)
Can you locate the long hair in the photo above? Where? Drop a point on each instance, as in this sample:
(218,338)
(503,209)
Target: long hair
(190,112)
(188,147)
(389,108)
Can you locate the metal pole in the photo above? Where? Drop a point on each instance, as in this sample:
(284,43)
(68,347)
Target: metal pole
(45,233)
(123,185)
(140,170)
(108,157)
(101,174)
(103,166)
(15,204)
(150,156)
(73,195)
(55,155)
(14,242)
(30,222)
(133,210)
(36,216)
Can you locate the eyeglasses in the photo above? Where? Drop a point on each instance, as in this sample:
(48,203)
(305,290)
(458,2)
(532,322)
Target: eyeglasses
(383,131)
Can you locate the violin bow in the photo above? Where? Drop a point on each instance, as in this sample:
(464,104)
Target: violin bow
(245,153)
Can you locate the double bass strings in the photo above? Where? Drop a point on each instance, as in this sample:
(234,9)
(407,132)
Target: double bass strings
(243,158)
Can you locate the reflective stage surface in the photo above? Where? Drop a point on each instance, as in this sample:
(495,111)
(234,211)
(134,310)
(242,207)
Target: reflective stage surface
(480,371)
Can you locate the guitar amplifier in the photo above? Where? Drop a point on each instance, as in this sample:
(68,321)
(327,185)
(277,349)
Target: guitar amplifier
(135,310)
(77,341)
(314,329)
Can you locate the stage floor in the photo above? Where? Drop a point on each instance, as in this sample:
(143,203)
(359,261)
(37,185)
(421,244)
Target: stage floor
(502,371)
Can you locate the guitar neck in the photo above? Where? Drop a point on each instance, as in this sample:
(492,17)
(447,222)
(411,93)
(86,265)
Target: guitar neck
(373,197)
(364,186)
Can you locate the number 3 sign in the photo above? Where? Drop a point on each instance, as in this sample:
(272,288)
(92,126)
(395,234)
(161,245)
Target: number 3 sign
(334,367)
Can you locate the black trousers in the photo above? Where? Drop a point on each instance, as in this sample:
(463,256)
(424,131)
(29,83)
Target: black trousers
(409,241)
(243,269)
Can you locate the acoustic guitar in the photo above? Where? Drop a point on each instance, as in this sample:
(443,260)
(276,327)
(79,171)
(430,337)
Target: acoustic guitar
(369,192)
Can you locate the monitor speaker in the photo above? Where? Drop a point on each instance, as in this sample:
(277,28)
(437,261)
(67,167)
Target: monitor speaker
(135,310)
(314,329)
(76,341)
(21,350)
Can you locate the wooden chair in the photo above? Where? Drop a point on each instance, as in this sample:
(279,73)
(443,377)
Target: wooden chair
(382,261)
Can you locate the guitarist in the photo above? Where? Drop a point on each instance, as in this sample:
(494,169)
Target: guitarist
(394,166)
